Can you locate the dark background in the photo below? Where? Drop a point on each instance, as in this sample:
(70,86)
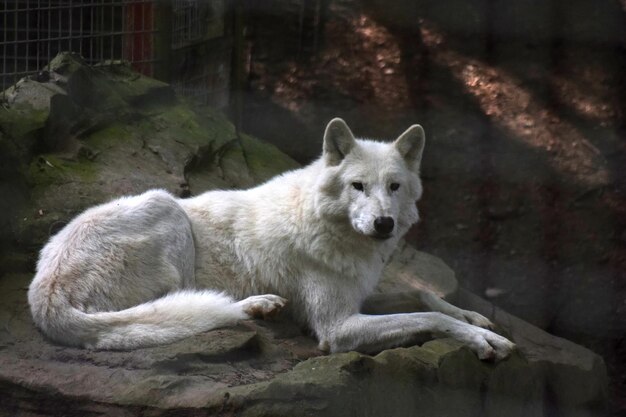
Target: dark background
(522,102)
(523,107)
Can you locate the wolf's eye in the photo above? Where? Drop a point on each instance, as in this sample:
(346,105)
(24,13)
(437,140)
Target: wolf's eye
(394,186)
(358,186)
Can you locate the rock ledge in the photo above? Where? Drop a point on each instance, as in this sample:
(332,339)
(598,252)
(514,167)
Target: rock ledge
(87,134)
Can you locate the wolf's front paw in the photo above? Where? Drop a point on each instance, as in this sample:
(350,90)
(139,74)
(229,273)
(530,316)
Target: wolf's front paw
(262,306)
(490,346)
(469,317)
(474,318)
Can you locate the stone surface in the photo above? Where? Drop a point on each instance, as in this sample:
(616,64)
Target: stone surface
(89,134)
(410,270)
(105,132)
(271,368)
(574,377)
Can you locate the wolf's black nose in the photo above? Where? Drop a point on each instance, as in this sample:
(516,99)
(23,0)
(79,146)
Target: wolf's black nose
(383,225)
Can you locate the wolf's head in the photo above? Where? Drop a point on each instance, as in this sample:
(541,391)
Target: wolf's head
(372,185)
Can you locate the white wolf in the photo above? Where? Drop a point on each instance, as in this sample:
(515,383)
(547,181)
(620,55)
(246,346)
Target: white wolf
(152,269)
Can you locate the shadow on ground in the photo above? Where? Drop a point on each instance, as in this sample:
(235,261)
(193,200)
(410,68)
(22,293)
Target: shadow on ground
(523,108)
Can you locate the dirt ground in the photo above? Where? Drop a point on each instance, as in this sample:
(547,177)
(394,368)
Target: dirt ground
(525,185)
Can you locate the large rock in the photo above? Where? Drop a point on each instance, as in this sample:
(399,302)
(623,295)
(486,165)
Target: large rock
(573,378)
(409,270)
(272,369)
(77,136)
(105,131)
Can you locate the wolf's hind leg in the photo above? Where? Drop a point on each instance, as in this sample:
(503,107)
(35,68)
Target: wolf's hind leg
(262,306)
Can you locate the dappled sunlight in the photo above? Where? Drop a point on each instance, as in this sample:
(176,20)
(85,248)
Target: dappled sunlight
(587,104)
(524,187)
(365,64)
(514,108)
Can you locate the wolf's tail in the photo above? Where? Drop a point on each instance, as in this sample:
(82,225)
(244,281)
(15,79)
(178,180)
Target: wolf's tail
(165,320)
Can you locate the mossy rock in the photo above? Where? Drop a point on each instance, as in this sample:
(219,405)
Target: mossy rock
(128,134)
(106,131)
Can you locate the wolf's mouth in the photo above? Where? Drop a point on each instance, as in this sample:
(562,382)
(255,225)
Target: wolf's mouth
(379,236)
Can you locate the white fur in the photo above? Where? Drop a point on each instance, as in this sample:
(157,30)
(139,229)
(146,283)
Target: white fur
(130,273)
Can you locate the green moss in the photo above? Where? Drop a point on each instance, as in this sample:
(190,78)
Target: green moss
(108,137)
(21,120)
(265,160)
(442,347)
(177,123)
(412,355)
(132,85)
(49,169)
(112,103)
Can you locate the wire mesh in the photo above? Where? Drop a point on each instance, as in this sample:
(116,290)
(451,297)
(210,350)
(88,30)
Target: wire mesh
(203,73)
(34,31)
(196,21)
(202,51)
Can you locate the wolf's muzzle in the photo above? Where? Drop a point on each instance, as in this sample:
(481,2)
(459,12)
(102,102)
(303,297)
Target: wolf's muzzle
(383,225)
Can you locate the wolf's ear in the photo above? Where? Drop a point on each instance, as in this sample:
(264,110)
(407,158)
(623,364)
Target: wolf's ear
(410,144)
(338,141)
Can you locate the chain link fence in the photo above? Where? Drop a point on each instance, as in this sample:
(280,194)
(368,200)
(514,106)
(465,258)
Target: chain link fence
(185,42)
